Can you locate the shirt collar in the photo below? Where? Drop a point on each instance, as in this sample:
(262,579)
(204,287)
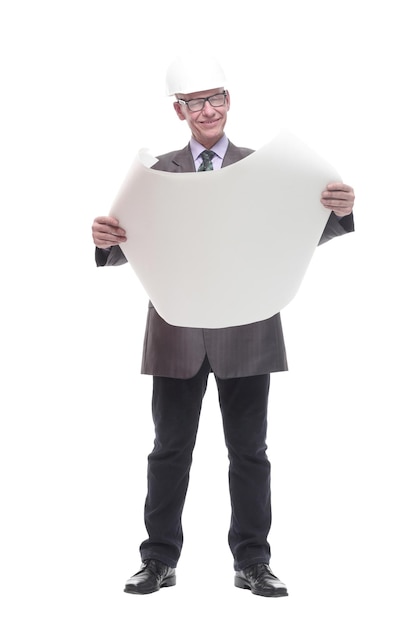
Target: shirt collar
(219,148)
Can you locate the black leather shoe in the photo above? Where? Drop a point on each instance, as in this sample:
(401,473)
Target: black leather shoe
(261,581)
(151,577)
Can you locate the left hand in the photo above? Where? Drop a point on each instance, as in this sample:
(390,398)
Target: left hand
(339,198)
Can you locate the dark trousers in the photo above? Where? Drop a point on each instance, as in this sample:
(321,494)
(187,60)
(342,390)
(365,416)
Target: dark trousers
(176,406)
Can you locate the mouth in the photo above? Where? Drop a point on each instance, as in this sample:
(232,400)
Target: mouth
(210,122)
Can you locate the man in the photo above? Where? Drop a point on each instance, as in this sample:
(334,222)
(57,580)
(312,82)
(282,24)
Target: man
(180,360)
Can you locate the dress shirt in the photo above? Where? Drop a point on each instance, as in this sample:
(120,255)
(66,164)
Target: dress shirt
(219,149)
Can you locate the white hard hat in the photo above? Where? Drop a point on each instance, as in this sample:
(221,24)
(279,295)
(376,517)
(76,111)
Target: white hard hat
(188,75)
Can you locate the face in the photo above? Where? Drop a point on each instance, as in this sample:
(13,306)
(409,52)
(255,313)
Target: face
(206,125)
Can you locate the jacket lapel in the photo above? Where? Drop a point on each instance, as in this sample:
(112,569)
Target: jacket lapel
(183,160)
(232,155)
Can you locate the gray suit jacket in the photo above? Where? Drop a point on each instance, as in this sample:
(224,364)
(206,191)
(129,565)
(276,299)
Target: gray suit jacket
(238,351)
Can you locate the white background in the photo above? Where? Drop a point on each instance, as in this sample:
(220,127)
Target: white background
(83,90)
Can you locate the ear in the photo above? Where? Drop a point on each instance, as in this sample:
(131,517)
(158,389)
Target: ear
(178,110)
(227,99)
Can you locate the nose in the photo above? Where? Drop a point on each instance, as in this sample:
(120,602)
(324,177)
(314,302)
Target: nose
(208,109)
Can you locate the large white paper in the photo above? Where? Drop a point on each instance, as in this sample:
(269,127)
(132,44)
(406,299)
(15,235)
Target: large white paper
(226,247)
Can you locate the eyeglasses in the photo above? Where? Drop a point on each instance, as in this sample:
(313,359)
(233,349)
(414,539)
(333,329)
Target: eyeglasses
(197,104)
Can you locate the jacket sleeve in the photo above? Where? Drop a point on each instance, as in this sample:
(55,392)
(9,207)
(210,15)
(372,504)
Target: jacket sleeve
(337,226)
(110,256)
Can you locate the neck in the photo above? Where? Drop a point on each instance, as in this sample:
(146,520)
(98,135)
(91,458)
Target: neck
(209,143)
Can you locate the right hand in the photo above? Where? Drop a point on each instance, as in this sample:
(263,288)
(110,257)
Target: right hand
(106,232)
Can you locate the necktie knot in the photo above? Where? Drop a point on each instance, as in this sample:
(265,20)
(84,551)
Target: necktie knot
(207,163)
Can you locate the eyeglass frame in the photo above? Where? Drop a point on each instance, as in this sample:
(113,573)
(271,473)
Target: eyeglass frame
(204,100)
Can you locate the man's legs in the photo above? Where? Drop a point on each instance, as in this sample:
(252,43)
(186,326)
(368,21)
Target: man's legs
(176,406)
(243,403)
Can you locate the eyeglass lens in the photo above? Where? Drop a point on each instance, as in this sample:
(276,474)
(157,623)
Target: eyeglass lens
(217,100)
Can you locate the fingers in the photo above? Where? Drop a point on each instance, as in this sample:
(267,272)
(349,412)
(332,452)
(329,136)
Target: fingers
(339,198)
(339,186)
(106,232)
